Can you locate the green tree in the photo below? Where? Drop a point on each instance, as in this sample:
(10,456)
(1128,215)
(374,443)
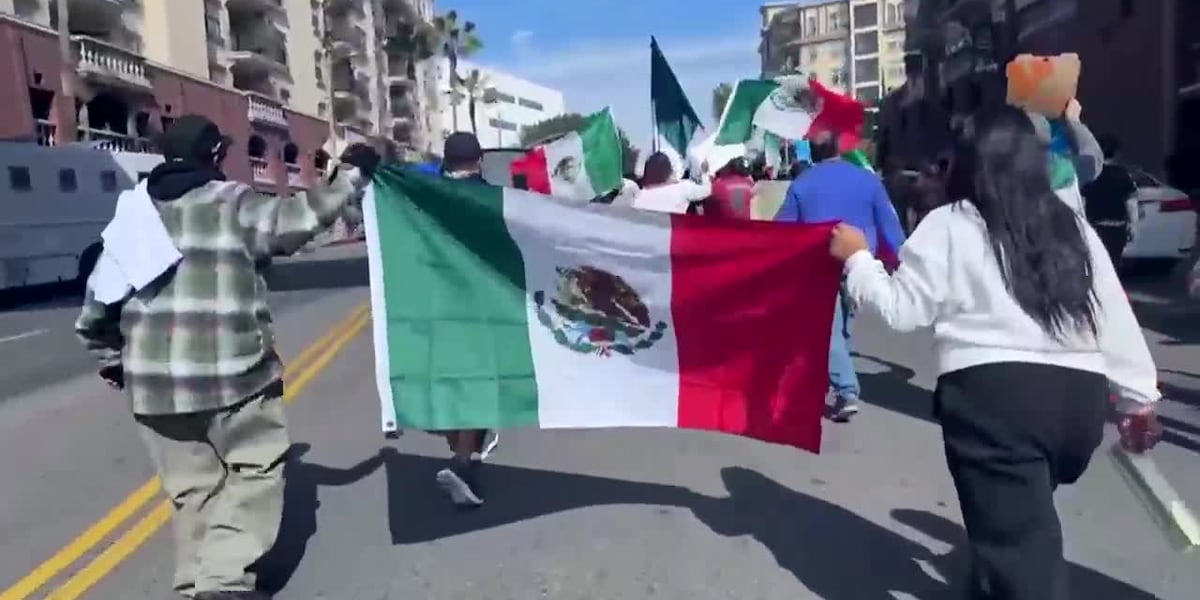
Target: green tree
(720,97)
(542,131)
(457,40)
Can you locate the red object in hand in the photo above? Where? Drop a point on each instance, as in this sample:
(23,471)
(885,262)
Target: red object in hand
(1139,432)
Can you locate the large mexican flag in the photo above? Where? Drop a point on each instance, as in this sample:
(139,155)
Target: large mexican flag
(495,307)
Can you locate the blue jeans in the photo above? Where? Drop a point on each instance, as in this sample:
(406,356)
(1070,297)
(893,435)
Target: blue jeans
(842,377)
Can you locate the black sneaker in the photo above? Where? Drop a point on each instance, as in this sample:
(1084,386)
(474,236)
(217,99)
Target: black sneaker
(247,595)
(844,409)
(459,481)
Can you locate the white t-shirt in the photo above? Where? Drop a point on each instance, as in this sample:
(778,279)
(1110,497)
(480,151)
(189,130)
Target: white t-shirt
(672,197)
(948,279)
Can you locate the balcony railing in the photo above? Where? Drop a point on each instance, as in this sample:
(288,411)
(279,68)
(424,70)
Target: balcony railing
(113,141)
(47,133)
(261,109)
(100,59)
(261,169)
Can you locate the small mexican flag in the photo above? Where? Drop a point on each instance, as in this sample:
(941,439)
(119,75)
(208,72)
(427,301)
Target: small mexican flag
(496,307)
(789,107)
(580,165)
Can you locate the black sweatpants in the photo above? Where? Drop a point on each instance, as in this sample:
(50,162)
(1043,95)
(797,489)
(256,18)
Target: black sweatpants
(1013,432)
(1114,238)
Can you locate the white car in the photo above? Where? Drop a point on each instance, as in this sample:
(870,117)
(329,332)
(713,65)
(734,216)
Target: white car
(1166,225)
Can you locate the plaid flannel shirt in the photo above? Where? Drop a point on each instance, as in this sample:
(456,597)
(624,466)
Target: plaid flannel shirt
(201,338)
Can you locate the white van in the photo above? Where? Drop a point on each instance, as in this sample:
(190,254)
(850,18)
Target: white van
(54,202)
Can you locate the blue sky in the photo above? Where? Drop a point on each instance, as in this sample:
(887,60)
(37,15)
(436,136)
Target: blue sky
(597,52)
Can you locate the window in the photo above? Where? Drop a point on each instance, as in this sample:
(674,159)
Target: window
(19,179)
(812,55)
(502,97)
(890,18)
(866,69)
(866,43)
(811,29)
(67,181)
(108,181)
(502,124)
(835,21)
(530,104)
(866,15)
(868,94)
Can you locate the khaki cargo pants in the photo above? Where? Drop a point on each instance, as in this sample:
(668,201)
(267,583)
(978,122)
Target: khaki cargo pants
(223,471)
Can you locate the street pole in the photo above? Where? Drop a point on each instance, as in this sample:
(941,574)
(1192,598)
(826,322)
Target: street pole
(67,128)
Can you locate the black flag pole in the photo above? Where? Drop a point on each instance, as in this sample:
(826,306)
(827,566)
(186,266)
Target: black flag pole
(653,117)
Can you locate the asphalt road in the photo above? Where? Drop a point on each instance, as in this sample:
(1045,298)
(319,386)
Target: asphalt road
(610,515)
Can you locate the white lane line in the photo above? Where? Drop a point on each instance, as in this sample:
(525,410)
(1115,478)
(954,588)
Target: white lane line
(21,336)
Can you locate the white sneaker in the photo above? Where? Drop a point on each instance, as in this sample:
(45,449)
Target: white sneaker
(491,440)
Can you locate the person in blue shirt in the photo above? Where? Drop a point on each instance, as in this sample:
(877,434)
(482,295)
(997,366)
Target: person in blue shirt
(837,190)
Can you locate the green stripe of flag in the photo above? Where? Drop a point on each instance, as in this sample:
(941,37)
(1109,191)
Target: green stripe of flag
(454,288)
(602,151)
(737,123)
(674,116)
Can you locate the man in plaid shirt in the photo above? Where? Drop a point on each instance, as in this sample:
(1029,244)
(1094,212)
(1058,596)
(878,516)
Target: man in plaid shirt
(195,352)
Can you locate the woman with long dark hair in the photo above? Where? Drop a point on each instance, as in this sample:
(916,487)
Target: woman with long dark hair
(1030,328)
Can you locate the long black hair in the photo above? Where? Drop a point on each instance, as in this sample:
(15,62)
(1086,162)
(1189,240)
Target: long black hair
(1002,168)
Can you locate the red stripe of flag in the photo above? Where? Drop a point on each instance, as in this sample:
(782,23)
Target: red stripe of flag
(732,282)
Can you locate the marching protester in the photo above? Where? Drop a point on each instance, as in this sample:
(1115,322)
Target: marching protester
(177,314)
(462,160)
(732,192)
(661,192)
(1110,202)
(837,190)
(1030,327)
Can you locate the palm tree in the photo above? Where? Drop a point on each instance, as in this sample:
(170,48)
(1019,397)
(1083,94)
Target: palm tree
(411,43)
(458,40)
(720,97)
(475,91)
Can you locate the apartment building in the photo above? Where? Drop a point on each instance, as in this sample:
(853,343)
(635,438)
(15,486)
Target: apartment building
(271,73)
(504,103)
(851,45)
(1141,62)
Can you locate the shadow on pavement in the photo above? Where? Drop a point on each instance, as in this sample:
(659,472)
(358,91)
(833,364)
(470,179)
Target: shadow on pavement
(42,297)
(1084,582)
(285,275)
(826,547)
(301,502)
(892,389)
(298,275)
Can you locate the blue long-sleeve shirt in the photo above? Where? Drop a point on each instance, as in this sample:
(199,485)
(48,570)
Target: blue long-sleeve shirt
(836,190)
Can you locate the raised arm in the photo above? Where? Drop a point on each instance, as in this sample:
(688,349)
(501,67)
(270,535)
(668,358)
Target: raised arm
(275,225)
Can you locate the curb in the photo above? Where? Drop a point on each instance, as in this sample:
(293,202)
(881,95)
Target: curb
(1160,498)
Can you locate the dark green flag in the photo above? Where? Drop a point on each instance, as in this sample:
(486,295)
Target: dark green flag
(674,118)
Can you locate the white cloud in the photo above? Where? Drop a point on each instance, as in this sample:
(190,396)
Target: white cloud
(521,37)
(616,72)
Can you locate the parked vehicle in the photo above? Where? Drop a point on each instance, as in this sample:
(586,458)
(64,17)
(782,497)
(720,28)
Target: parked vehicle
(1166,226)
(54,202)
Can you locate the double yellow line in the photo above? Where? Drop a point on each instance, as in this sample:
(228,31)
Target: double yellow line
(300,372)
